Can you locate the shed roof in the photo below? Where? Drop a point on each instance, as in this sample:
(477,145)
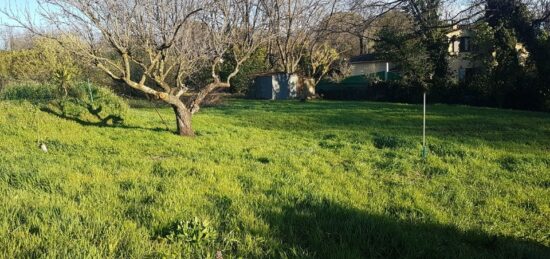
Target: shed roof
(269,74)
(371,57)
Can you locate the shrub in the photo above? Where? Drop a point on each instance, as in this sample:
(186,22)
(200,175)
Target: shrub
(195,231)
(64,78)
(391,142)
(254,65)
(526,93)
(447,150)
(362,88)
(37,63)
(32,92)
(213,100)
(145,103)
(90,103)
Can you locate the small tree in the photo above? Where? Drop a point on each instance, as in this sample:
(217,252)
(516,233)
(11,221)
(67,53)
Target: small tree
(318,63)
(408,53)
(64,77)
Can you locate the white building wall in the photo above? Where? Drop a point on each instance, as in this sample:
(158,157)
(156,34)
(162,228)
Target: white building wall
(366,68)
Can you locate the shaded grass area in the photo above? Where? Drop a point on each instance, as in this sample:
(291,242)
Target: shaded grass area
(278,179)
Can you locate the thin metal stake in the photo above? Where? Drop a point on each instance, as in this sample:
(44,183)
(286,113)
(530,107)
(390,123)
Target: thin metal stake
(387,71)
(160,116)
(424,151)
(162,119)
(90,90)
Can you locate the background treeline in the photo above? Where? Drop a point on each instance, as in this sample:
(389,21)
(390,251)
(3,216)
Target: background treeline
(34,60)
(412,34)
(416,41)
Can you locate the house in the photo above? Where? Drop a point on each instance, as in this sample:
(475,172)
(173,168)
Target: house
(461,48)
(460,59)
(275,86)
(368,64)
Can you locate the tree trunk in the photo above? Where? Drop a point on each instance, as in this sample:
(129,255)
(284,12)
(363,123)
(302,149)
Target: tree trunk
(183,121)
(307,88)
(64,87)
(361,45)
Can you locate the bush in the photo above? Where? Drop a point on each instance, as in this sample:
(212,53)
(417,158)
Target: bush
(37,63)
(242,82)
(478,90)
(146,103)
(391,142)
(355,88)
(90,103)
(195,231)
(32,92)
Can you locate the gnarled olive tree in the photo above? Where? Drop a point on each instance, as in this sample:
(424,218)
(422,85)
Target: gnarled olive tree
(167,41)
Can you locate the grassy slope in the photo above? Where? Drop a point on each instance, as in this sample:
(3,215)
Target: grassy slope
(322,179)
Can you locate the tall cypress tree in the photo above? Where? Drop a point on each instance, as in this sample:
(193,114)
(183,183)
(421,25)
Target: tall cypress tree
(425,60)
(429,28)
(512,23)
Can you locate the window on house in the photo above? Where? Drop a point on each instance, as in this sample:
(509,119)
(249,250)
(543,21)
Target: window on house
(465,45)
(466,74)
(452,41)
(472,72)
(461,74)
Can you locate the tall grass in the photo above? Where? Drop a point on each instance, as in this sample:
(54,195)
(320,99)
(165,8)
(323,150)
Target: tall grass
(278,179)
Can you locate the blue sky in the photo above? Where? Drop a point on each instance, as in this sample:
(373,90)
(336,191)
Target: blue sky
(18,5)
(32,5)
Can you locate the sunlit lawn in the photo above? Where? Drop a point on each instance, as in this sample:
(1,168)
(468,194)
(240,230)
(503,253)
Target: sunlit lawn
(278,179)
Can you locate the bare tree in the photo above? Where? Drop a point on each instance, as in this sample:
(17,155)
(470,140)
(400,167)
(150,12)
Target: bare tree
(167,41)
(298,37)
(293,24)
(346,31)
(541,9)
(7,38)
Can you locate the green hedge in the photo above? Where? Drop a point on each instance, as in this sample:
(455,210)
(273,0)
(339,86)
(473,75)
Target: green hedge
(369,87)
(32,92)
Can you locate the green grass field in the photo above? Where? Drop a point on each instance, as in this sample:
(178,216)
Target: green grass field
(278,179)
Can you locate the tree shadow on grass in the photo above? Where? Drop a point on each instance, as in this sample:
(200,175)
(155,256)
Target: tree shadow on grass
(341,115)
(325,230)
(103,123)
(474,125)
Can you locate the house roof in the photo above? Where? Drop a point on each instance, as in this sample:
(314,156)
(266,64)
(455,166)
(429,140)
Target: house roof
(372,57)
(269,74)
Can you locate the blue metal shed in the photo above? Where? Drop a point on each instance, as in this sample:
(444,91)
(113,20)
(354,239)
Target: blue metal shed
(275,86)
